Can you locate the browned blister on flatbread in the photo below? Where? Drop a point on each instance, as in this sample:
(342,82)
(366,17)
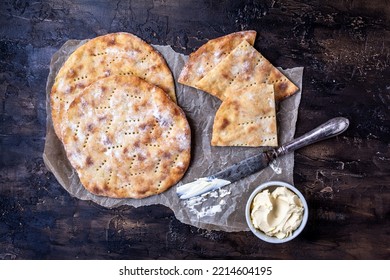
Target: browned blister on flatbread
(210,54)
(111,54)
(126,138)
(247,118)
(245,66)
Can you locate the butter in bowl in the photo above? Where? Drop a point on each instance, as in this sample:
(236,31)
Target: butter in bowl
(276,212)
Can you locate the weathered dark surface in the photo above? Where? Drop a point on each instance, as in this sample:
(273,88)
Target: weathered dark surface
(345,49)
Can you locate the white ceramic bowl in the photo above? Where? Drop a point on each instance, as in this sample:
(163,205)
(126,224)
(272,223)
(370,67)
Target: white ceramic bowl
(271,185)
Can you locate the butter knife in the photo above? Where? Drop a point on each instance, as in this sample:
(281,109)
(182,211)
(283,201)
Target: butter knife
(258,162)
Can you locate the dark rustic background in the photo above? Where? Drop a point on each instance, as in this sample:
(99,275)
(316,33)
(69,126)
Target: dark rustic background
(344,46)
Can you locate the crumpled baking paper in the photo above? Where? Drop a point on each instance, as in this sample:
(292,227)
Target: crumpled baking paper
(222,209)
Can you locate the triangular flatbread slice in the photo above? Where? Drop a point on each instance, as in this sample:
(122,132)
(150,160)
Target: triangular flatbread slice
(210,54)
(245,66)
(247,118)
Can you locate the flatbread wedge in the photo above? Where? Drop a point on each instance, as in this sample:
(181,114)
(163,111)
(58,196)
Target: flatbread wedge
(210,54)
(247,118)
(126,138)
(112,54)
(245,66)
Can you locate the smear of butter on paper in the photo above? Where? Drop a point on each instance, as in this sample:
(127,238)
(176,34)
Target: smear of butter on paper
(196,207)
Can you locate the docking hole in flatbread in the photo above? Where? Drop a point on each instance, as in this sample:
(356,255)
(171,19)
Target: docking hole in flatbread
(112,54)
(247,118)
(126,138)
(210,54)
(245,66)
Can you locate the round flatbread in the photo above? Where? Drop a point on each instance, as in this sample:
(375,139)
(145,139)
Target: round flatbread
(112,54)
(126,138)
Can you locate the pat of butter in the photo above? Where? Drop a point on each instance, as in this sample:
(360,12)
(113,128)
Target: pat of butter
(278,213)
(200,186)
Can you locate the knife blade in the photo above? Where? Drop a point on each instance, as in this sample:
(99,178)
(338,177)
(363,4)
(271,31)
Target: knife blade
(258,162)
(224,177)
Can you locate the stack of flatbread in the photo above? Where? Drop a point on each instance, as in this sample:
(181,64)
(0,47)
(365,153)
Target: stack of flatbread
(113,106)
(231,69)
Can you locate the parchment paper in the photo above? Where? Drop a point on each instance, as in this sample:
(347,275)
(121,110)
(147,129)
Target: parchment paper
(218,210)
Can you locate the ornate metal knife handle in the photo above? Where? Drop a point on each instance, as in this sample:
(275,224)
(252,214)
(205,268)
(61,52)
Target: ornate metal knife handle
(329,129)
